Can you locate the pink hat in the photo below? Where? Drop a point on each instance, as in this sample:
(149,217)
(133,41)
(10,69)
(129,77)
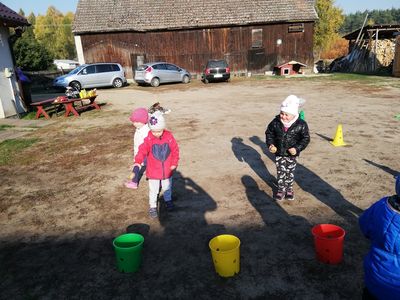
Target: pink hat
(139,115)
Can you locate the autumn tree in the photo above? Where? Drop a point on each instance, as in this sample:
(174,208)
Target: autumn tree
(339,48)
(327,27)
(54,31)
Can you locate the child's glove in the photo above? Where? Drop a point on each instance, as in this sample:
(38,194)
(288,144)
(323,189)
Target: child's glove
(272,149)
(292,151)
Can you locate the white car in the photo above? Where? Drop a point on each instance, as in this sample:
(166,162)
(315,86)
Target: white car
(65,64)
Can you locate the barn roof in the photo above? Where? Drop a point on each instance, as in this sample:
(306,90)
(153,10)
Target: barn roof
(153,15)
(10,18)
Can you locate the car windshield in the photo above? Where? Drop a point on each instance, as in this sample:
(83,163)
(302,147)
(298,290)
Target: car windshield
(74,71)
(217,64)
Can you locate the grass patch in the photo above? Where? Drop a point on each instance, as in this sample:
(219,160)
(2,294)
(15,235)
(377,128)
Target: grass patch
(29,116)
(4,126)
(357,77)
(10,148)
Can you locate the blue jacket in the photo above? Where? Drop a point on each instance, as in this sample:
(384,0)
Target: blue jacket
(381,224)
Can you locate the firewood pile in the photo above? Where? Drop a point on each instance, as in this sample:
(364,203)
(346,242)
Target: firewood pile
(385,51)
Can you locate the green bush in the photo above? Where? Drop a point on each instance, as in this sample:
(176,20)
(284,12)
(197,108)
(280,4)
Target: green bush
(30,55)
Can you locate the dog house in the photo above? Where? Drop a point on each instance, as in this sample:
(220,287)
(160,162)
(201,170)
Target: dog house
(290,68)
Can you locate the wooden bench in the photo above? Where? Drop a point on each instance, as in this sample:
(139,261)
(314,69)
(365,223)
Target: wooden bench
(41,105)
(69,105)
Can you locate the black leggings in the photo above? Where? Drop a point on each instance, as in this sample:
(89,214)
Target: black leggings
(285,167)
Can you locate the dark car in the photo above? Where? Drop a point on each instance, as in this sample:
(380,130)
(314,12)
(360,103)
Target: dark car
(216,70)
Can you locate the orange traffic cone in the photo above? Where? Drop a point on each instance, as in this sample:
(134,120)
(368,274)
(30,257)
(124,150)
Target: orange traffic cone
(338,140)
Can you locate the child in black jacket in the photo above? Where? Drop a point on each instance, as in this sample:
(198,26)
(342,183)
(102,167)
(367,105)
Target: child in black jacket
(286,136)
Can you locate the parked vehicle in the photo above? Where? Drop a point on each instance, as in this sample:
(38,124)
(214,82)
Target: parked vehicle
(93,75)
(216,70)
(65,64)
(156,73)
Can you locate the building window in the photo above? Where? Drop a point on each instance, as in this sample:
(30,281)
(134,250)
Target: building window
(286,71)
(298,27)
(256,38)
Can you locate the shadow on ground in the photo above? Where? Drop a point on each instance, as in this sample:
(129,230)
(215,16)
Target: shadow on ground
(277,258)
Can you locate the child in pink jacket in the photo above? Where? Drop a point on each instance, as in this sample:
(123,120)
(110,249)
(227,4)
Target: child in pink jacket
(162,152)
(139,118)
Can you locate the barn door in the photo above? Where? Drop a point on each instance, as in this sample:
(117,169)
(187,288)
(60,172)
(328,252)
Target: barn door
(256,60)
(137,60)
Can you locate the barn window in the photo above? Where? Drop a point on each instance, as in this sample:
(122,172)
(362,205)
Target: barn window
(298,27)
(256,38)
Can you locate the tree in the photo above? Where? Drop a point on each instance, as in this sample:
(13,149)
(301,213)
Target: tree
(339,48)
(54,32)
(30,55)
(327,27)
(29,31)
(354,21)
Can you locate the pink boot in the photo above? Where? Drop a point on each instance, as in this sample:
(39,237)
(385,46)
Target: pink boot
(131,185)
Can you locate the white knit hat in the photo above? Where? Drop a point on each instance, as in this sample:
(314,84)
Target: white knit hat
(156,121)
(291,105)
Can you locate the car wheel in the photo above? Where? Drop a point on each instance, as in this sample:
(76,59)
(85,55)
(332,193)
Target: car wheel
(117,83)
(76,85)
(155,82)
(186,79)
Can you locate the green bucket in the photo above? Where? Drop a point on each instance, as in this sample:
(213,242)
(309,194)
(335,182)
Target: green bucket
(128,252)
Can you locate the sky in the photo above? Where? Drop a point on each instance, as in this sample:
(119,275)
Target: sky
(40,6)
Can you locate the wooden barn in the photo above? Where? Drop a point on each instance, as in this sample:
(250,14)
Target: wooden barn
(252,35)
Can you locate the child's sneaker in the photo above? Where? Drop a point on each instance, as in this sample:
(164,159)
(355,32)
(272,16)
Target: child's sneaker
(279,196)
(169,205)
(289,195)
(153,212)
(131,185)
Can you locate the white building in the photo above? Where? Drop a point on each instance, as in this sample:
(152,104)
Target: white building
(10,100)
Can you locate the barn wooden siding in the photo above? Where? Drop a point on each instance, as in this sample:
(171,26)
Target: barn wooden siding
(191,49)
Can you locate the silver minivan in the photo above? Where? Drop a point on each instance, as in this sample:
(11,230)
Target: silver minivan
(93,75)
(160,72)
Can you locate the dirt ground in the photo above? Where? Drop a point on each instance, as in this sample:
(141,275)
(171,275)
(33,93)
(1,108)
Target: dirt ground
(63,200)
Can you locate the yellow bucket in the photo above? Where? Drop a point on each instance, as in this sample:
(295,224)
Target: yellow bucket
(225,252)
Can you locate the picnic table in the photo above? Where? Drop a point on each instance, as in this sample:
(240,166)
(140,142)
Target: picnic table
(68,103)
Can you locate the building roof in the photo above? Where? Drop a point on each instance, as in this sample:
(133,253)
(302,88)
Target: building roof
(292,62)
(385,31)
(10,18)
(154,15)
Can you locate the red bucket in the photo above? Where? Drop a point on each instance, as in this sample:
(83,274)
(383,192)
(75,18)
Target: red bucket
(328,241)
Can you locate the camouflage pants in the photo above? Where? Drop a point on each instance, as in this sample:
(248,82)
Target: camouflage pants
(285,167)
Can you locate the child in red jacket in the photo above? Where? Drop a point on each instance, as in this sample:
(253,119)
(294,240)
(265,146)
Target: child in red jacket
(162,154)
